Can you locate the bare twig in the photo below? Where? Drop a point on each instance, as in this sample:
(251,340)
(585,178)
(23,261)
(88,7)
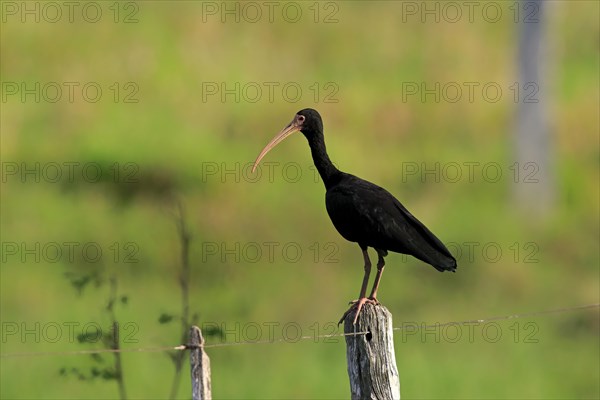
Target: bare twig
(115,338)
(184,284)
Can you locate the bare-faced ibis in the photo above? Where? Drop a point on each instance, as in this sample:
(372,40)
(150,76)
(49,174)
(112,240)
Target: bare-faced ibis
(363,212)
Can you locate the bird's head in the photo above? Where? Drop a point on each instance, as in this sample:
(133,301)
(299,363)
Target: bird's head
(307,121)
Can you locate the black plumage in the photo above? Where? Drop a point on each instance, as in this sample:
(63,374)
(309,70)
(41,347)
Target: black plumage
(365,213)
(370,216)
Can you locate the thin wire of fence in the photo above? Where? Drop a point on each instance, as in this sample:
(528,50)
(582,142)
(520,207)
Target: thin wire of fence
(307,337)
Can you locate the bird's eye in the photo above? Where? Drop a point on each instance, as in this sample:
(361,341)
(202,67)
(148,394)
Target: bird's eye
(301,118)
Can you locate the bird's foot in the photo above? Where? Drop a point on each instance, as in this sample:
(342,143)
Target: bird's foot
(358,305)
(371,300)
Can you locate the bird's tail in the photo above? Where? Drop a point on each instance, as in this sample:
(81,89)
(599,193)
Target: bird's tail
(445,263)
(440,259)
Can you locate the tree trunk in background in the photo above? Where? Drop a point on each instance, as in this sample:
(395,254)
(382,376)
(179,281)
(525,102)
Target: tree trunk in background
(534,187)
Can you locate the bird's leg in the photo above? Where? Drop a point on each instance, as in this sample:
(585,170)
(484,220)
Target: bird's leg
(363,288)
(358,304)
(380,266)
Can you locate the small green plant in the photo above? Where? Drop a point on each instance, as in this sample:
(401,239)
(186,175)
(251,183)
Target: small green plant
(101,368)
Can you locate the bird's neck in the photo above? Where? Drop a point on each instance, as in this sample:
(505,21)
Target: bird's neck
(329,173)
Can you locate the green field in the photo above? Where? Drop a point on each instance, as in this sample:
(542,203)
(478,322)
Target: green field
(114,113)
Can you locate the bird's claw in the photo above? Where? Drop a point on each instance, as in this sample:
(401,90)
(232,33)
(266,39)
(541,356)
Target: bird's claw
(358,304)
(370,300)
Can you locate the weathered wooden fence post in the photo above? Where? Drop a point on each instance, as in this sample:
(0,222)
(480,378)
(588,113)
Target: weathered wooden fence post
(200,366)
(371,359)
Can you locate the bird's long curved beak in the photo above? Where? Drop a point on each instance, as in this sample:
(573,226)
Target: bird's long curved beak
(280,137)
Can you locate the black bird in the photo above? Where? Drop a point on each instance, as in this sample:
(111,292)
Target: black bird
(363,212)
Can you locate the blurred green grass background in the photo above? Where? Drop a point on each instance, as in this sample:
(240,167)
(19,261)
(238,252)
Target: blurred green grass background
(173,134)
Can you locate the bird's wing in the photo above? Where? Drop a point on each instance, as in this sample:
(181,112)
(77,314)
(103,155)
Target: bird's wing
(386,224)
